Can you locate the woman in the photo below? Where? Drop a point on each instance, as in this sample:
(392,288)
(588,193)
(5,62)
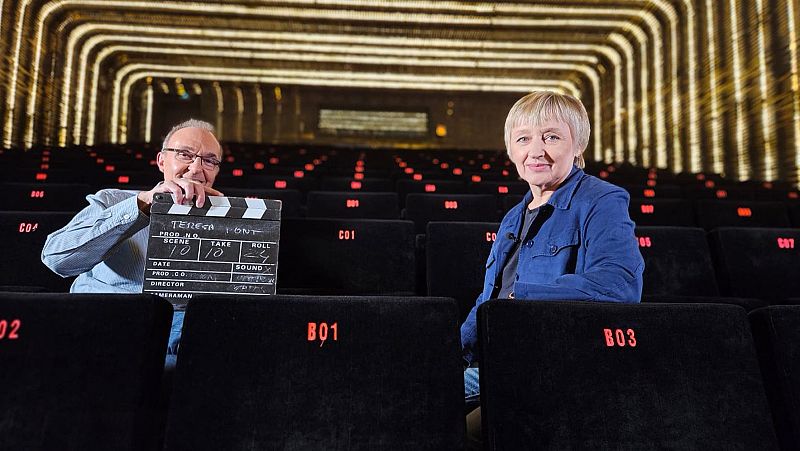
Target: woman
(571,237)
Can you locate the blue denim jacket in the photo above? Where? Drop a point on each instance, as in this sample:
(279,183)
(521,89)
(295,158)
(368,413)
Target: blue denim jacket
(586,250)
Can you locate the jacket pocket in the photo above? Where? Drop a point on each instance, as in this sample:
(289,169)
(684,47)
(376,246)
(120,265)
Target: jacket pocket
(554,245)
(550,257)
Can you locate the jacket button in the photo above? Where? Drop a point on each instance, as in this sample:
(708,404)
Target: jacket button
(552,249)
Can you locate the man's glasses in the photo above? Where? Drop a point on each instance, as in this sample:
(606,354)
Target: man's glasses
(187,156)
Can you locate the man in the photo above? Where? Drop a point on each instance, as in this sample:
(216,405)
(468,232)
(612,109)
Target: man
(105,244)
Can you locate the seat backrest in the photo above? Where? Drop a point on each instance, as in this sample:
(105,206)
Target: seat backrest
(23,235)
(657,192)
(756,262)
(662,212)
(303,372)
(350,184)
(731,213)
(776,330)
(456,254)
(429,186)
(677,261)
(794,213)
(44,196)
(338,204)
(272,181)
(593,375)
(347,256)
(81,371)
(424,208)
(719,192)
(291,200)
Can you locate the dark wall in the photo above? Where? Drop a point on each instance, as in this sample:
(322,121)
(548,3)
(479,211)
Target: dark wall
(475,120)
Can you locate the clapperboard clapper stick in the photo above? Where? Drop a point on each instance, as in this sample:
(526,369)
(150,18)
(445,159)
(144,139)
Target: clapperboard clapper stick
(229,246)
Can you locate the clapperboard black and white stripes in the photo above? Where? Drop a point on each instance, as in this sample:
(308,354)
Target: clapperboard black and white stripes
(220,207)
(229,246)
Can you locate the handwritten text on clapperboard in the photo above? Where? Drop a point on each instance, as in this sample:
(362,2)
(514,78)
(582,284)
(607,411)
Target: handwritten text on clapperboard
(197,253)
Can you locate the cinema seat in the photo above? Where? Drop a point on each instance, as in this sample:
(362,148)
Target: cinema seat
(730,213)
(346,256)
(23,235)
(585,375)
(510,202)
(499,187)
(424,208)
(291,199)
(81,372)
(259,181)
(318,373)
(44,196)
(432,186)
(350,184)
(776,330)
(720,192)
(677,261)
(338,204)
(794,213)
(757,262)
(456,254)
(662,212)
(658,192)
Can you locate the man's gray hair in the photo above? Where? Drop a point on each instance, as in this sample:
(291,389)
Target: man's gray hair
(191,123)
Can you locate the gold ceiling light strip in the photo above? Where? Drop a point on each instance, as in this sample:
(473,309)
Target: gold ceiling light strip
(148,120)
(250,55)
(109,50)
(677,149)
(239,112)
(767,115)
(655,27)
(695,148)
(11,100)
(259,112)
(694,144)
(795,84)
(743,159)
(293,12)
(87,49)
(220,109)
(225,75)
(630,112)
(323,78)
(717,155)
(320,78)
(96,40)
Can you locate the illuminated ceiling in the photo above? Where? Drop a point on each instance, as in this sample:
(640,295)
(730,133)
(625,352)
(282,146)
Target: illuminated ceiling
(664,88)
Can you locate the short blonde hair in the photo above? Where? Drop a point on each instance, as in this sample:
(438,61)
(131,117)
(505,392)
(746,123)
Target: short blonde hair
(541,106)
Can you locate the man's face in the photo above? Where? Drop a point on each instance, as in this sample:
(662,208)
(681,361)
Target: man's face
(543,154)
(194,141)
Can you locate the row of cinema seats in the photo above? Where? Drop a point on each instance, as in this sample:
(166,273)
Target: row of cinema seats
(750,266)
(308,372)
(422,207)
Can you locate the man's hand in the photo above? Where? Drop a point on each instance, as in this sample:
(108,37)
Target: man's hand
(183,189)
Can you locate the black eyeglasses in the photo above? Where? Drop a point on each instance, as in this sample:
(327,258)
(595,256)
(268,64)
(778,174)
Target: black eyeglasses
(187,156)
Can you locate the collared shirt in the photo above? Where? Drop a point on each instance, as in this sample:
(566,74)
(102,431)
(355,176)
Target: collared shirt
(585,250)
(105,245)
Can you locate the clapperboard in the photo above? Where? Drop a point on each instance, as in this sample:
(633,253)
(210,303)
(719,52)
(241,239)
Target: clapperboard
(230,246)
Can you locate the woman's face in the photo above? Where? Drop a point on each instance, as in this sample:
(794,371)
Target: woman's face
(543,153)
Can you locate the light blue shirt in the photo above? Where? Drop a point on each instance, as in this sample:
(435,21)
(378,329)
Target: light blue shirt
(105,245)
